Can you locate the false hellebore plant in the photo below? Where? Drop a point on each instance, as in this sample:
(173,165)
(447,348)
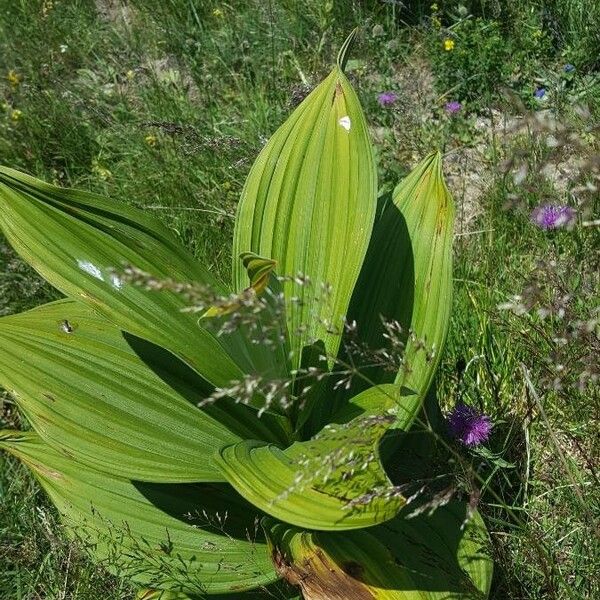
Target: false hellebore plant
(205,440)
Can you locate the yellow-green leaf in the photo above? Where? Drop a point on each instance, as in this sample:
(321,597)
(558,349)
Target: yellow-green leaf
(407,279)
(427,206)
(117,402)
(309,204)
(196,539)
(332,482)
(384,399)
(81,242)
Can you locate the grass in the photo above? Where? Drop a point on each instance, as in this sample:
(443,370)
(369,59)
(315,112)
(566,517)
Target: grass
(164,104)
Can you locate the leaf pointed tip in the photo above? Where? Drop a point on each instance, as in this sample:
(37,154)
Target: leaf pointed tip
(342,58)
(433,160)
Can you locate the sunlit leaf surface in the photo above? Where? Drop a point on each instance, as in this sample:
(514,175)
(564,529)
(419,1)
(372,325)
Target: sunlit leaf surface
(407,278)
(198,539)
(81,243)
(309,204)
(332,482)
(115,401)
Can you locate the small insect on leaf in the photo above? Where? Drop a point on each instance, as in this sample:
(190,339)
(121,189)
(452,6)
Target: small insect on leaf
(66,327)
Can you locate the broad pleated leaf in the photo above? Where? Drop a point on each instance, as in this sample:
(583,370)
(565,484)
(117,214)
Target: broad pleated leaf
(116,402)
(80,242)
(407,278)
(194,539)
(423,558)
(309,204)
(426,204)
(332,482)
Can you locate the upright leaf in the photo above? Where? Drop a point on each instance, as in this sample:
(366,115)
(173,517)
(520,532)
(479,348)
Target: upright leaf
(426,204)
(309,204)
(194,539)
(407,279)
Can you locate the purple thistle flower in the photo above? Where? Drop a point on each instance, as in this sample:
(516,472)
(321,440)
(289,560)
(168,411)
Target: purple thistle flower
(569,68)
(387,98)
(552,216)
(468,425)
(539,93)
(453,107)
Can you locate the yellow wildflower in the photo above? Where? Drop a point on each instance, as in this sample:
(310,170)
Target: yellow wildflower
(47,6)
(130,74)
(217,13)
(100,171)
(16,114)
(151,140)
(448,45)
(13,78)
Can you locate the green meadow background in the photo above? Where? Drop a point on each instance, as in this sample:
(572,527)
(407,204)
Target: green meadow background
(164,104)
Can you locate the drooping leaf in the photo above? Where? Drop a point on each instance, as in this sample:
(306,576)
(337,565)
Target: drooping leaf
(332,482)
(429,557)
(309,204)
(81,242)
(108,399)
(195,539)
(407,279)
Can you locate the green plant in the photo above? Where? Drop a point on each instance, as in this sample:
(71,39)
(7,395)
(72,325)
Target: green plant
(470,59)
(204,440)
